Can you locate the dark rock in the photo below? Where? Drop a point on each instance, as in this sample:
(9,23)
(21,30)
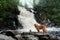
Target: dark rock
(9,33)
(4,37)
(30,35)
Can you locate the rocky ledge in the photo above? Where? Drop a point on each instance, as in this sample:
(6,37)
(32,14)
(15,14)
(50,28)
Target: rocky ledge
(12,35)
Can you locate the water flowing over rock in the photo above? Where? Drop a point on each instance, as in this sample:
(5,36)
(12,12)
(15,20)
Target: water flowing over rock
(27,20)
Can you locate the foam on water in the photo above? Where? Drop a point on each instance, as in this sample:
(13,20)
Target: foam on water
(53,29)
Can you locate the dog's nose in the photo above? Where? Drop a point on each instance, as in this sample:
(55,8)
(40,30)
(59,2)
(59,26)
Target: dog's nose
(34,24)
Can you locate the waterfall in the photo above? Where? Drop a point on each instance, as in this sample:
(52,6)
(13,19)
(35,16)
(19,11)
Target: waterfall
(27,20)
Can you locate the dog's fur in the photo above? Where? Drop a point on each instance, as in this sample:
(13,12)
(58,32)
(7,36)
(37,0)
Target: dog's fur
(39,27)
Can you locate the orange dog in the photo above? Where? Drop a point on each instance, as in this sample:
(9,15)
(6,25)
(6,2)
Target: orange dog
(39,27)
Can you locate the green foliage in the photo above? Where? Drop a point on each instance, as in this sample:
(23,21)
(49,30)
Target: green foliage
(51,9)
(7,7)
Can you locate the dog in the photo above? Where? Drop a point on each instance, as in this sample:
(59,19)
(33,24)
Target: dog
(39,27)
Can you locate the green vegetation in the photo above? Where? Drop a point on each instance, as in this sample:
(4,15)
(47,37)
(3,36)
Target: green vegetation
(7,7)
(8,11)
(51,9)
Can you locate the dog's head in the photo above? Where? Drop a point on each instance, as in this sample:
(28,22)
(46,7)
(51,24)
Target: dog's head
(36,25)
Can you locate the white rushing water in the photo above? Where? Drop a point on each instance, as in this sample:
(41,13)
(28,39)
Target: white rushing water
(27,20)
(50,29)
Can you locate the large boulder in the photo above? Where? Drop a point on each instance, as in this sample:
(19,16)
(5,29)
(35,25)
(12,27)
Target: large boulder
(4,37)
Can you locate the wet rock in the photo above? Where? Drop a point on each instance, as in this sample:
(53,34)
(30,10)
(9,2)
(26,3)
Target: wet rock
(54,37)
(9,33)
(4,37)
(33,38)
(29,37)
(19,37)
